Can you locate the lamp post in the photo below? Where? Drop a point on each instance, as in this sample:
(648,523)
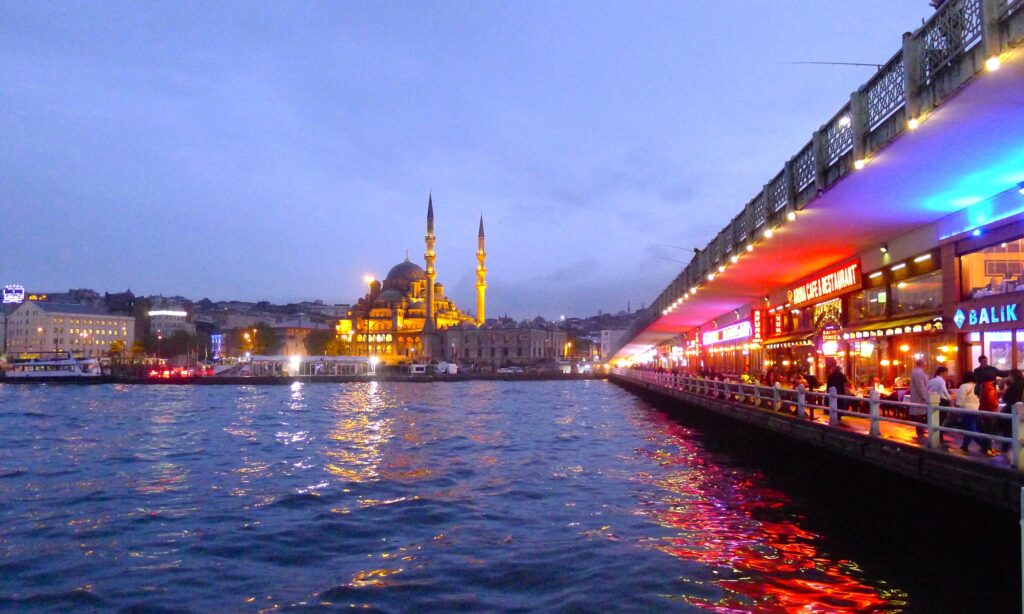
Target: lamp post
(39,330)
(84,337)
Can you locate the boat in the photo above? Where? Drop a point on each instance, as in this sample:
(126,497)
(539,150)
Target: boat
(68,367)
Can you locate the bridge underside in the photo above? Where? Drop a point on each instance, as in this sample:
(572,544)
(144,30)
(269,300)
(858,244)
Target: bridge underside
(966,151)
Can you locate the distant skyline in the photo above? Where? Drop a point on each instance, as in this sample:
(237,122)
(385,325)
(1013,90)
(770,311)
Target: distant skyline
(282,151)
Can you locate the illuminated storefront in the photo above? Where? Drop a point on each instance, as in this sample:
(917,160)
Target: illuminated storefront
(734,349)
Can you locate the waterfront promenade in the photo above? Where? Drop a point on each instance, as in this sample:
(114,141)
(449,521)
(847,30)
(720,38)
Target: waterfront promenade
(888,441)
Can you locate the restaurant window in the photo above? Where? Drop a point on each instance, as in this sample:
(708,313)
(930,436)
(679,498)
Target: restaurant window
(921,293)
(997,269)
(868,304)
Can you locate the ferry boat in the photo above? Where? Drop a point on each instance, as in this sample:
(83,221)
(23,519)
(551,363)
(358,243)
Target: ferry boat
(53,368)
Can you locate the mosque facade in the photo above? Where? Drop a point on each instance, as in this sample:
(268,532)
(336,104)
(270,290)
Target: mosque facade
(402,318)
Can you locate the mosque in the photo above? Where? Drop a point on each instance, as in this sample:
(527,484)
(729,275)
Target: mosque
(401,319)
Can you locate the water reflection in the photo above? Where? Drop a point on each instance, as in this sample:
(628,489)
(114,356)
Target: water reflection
(744,532)
(360,429)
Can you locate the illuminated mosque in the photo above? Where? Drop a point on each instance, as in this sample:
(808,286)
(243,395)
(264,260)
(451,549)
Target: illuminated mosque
(400,319)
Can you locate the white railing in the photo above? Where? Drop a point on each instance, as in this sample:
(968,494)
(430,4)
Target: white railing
(805,403)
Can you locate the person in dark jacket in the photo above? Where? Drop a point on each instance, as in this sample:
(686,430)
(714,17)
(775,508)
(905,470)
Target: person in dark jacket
(1013,394)
(836,379)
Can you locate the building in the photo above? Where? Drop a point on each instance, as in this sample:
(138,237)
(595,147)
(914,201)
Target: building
(400,319)
(37,328)
(495,346)
(609,341)
(293,335)
(167,320)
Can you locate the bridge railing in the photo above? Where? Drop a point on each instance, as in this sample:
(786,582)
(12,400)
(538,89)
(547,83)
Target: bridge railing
(933,63)
(811,405)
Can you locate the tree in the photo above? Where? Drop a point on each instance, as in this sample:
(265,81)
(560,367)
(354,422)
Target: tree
(116,348)
(265,341)
(318,342)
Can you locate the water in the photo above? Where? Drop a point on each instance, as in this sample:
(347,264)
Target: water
(471,496)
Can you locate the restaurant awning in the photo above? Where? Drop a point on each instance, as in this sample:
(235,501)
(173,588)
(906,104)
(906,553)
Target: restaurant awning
(923,323)
(787,341)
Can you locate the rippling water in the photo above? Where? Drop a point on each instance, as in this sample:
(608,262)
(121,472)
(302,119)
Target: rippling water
(397,497)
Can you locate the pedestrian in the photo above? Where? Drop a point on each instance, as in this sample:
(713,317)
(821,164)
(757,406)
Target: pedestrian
(986,376)
(836,379)
(967,398)
(918,395)
(1013,394)
(938,394)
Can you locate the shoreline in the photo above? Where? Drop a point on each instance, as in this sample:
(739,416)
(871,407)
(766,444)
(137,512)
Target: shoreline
(310,379)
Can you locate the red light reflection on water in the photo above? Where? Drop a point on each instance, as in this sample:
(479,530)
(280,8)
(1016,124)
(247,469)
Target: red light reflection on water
(730,521)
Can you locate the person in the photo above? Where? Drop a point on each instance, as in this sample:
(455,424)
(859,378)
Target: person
(836,379)
(1013,394)
(937,386)
(967,398)
(918,395)
(812,380)
(986,376)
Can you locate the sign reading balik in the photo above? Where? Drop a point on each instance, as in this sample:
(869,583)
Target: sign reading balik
(980,316)
(828,285)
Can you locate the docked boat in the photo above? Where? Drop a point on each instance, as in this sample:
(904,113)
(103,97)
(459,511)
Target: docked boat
(53,369)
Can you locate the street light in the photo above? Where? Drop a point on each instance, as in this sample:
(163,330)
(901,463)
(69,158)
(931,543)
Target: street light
(40,331)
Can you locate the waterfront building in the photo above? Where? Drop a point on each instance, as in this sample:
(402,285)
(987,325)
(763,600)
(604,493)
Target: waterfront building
(293,334)
(608,340)
(36,328)
(401,319)
(493,346)
(166,320)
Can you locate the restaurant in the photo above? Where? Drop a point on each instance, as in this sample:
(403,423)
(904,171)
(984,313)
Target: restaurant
(988,316)
(735,348)
(875,324)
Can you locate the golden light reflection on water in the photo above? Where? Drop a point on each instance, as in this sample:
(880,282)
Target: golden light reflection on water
(359,432)
(729,521)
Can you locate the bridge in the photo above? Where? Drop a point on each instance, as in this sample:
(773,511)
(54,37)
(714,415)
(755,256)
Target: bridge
(928,153)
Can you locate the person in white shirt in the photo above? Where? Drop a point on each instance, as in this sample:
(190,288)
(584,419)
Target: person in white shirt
(937,390)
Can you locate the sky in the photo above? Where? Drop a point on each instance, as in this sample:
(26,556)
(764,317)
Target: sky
(282,151)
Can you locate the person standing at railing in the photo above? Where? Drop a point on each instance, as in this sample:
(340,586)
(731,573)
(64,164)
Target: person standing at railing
(918,395)
(836,379)
(1013,394)
(986,376)
(967,398)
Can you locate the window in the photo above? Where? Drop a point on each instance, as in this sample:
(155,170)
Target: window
(868,304)
(920,293)
(997,269)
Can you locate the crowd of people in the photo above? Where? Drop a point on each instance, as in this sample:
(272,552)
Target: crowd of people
(986,388)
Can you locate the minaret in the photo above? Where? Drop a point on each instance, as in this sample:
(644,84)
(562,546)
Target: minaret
(431,324)
(481,275)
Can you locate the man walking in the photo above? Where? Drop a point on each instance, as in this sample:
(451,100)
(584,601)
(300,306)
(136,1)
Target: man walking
(919,394)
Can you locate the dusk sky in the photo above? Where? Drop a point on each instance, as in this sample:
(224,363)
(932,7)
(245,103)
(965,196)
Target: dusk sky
(283,150)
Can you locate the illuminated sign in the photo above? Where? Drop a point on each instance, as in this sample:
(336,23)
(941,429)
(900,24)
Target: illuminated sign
(757,326)
(740,330)
(179,314)
(837,281)
(14,294)
(981,316)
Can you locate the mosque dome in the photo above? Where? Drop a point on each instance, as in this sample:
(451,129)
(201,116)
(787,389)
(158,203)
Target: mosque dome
(406,272)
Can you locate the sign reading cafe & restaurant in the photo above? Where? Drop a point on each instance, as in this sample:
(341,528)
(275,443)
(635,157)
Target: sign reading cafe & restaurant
(838,281)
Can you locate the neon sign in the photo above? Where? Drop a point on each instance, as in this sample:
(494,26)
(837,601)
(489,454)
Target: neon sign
(14,294)
(831,284)
(980,316)
(740,330)
(757,326)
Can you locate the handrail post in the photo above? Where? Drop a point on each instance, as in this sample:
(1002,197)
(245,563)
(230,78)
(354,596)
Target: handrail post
(776,402)
(833,407)
(874,408)
(801,405)
(757,395)
(1017,430)
(934,433)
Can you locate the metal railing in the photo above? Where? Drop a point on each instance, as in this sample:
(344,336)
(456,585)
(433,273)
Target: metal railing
(959,32)
(804,404)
